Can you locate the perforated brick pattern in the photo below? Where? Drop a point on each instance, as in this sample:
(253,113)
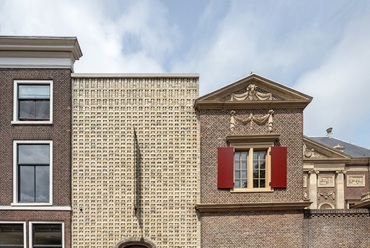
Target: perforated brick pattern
(115,172)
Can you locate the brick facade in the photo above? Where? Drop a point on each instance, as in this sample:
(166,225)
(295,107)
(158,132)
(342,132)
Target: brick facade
(59,132)
(214,127)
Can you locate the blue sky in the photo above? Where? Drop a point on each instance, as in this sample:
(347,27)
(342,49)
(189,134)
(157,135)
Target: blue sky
(321,48)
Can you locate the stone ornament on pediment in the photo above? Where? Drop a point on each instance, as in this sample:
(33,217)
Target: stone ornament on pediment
(308,153)
(259,120)
(251,94)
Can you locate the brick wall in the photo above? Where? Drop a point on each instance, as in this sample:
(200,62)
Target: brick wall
(214,127)
(51,216)
(59,132)
(337,228)
(276,229)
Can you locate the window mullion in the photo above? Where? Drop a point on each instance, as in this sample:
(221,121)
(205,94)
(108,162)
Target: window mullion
(250,168)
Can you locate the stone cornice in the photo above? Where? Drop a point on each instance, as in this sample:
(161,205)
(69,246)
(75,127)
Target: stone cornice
(235,207)
(252,138)
(290,104)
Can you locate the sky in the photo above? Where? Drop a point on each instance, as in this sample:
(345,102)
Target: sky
(321,48)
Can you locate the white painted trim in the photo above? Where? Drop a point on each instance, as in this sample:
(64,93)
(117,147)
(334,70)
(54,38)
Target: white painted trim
(15,101)
(135,75)
(15,172)
(24,228)
(57,63)
(36,208)
(30,229)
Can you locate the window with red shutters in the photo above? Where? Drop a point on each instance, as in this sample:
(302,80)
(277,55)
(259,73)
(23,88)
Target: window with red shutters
(252,169)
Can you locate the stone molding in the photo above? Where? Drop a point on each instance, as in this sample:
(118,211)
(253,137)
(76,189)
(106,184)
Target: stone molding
(235,207)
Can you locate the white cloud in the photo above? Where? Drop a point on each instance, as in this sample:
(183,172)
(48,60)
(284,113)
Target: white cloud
(341,85)
(101,28)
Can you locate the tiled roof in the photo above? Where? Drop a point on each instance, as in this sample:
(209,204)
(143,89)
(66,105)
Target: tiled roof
(350,149)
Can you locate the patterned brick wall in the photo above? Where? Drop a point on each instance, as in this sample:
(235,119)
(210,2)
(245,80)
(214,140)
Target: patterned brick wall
(337,228)
(115,172)
(214,127)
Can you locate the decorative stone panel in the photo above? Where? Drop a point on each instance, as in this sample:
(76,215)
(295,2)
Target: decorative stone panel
(355,180)
(325,181)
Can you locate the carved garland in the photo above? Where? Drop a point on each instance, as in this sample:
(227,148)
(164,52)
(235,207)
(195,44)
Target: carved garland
(259,120)
(251,94)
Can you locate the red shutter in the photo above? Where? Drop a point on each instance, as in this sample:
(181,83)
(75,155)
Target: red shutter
(225,171)
(279,167)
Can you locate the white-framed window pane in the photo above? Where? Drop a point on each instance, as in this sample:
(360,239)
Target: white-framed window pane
(26,184)
(42,110)
(29,91)
(11,235)
(33,172)
(47,235)
(33,154)
(42,183)
(33,102)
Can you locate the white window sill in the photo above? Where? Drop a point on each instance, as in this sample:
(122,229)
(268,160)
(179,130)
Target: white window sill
(17,207)
(29,204)
(31,122)
(265,190)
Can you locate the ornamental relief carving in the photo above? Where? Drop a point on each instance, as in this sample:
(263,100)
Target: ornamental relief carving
(355,180)
(326,195)
(251,94)
(325,181)
(259,120)
(308,153)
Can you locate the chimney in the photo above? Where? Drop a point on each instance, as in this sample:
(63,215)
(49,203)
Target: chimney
(329,132)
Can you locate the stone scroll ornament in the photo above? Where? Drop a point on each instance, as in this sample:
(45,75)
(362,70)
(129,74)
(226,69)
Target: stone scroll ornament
(259,120)
(251,95)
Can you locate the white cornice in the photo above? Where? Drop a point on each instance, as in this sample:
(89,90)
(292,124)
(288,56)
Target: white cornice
(38,52)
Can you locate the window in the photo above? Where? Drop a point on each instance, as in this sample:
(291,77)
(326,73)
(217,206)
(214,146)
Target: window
(250,170)
(32,102)
(257,166)
(12,234)
(32,164)
(46,235)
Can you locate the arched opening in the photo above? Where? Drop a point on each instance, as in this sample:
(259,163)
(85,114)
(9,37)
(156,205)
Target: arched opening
(135,243)
(135,246)
(326,206)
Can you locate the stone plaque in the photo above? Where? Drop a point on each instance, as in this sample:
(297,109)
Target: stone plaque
(325,181)
(355,180)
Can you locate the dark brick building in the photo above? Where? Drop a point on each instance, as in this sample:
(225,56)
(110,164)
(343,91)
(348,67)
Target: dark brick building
(251,190)
(35,147)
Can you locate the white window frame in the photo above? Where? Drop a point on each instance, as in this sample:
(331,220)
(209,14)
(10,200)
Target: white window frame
(251,147)
(15,101)
(15,172)
(24,229)
(30,230)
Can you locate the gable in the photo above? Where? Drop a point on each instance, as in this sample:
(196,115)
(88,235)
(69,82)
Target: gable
(253,92)
(313,150)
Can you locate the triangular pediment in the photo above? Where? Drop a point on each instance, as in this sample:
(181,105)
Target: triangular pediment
(253,91)
(313,150)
